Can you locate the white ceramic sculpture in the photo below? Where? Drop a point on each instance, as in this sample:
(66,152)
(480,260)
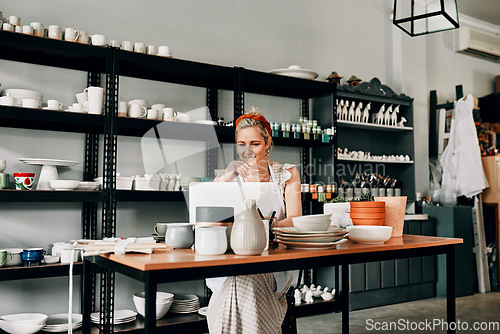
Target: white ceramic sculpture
(402,121)
(327,296)
(394,116)
(387,115)
(339,108)
(309,297)
(297,296)
(351,112)
(366,113)
(344,111)
(357,113)
(380,114)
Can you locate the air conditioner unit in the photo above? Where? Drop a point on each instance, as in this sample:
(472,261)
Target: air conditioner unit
(476,42)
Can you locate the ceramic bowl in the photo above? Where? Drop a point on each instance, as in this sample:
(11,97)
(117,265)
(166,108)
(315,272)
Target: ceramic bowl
(14,327)
(163,302)
(50,259)
(369,234)
(319,222)
(63,185)
(26,318)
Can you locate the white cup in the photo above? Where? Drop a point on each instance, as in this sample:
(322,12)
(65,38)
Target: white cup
(28,30)
(54,104)
(183,117)
(127,46)
(71,34)
(18,29)
(114,43)
(55,32)
(137,111)
(29,103)
(15,20)
(81,97)
(390,192)
(8,100)
(151,50)
(164,51)
(159,107)
(142,102)
(122,109)
(152,114)
(169,114)
(95,96)
(84,38)
(77,107)
(37,28)
(99,40)
(7,27)
(140,47)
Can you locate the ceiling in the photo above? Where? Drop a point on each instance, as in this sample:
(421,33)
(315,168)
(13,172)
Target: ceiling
(484,10)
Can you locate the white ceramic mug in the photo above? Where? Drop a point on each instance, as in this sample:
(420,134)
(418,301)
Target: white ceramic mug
(37,28)
(71,34)
(8,101)
(55,32)
(169,114)
(66,256)
(18,29)
(7,27)
(15,20)
(151,50)
(84,38)
(81,97)
(127,46)
(137,111)
(29,103)
(152,114)
(122,109)
(140,47)
(99,40)
(54,104)
(142,102)
(78,107)
(95,96)
(28,30)
(16,256)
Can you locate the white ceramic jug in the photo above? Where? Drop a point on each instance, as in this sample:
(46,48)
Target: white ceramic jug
(248,236)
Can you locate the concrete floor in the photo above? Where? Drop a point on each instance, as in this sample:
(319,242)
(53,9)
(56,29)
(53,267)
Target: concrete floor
(481,308)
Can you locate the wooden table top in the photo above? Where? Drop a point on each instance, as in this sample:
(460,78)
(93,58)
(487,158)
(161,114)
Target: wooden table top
(187,258)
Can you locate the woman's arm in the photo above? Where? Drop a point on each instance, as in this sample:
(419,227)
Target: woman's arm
(292,198)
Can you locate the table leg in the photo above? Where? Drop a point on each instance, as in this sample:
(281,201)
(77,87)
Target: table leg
(150,310)
(87,295)
(450,289)
(345,298)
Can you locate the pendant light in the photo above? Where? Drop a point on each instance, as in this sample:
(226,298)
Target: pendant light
(421,17)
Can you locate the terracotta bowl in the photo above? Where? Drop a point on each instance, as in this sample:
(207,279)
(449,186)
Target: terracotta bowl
(374,221)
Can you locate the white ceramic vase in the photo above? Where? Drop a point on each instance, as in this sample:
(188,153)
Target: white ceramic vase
(248,236)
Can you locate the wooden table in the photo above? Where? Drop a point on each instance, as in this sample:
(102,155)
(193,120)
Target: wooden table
(185,264)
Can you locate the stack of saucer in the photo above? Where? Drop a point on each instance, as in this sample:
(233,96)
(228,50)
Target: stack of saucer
(120,317)
(293,238)
(58,323)
(185,304)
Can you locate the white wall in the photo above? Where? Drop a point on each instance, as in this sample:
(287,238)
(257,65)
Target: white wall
(350,37)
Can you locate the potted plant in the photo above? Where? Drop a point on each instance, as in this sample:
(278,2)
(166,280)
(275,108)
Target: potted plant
(366,211)
(339,208)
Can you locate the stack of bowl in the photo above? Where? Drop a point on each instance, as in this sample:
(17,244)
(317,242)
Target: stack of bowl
(368,213)
(23,323)
(319,222)
(163,302)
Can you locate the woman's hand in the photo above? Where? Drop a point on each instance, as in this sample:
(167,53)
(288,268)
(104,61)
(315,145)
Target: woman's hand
(248,170)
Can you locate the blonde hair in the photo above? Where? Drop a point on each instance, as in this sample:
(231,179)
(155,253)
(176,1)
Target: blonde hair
(250,122)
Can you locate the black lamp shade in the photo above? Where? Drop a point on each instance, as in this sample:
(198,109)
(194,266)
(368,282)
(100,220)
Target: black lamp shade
(421,17)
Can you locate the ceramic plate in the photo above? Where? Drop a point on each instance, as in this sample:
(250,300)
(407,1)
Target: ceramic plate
(58,109)
(313,239)
(311,245)
(305,235)
(296,73)
(49,162)
(292,230)
(206,122)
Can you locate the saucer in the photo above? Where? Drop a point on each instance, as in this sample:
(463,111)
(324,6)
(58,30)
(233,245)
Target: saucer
(158,237)
(57,109)
(202,121)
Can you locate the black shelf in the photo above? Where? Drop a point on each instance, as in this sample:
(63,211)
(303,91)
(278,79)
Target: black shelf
(284,86)
(149,196)
(26,118)
(317,307)
(185,72)
(372,98)
(12,195)
(50,52)
(41,271)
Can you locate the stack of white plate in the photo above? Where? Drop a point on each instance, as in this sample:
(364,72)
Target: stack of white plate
(293,238)
(58,323)
(185,304)
(21,94)
(120,317)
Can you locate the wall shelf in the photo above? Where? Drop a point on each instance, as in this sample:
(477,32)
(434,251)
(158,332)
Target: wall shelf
(371,126)
(375,161)
(150,196)
(41,271)
(12,195)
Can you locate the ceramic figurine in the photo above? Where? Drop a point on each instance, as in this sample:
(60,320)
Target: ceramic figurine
(407,158)
(319,288)
(325,289)
(305,288)
(380,114)
(354,81)
(334,77)
(357,113)
(339,108)
(170,182)
(387,115)
(344,111)
(309,297)
(312,287)
(351,112)
(297,296)
(402,121)
(366,113)
(394,116)
(177,186)
(327,296)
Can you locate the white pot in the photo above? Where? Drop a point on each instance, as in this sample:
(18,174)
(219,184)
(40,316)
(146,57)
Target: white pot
(339,212)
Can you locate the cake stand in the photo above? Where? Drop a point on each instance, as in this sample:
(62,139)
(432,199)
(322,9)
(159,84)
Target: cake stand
(49,170)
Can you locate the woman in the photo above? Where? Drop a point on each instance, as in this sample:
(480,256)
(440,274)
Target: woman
(251,303)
